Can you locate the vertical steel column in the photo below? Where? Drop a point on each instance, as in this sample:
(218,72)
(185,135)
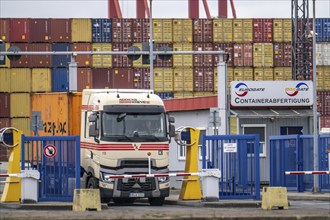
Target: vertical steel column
(193,9)
(114,10)
(222,9)
(140,10)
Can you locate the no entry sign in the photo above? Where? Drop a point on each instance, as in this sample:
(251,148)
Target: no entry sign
(50,151)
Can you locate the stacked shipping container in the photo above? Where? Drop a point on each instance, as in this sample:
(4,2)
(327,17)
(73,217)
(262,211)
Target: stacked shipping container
(259,49)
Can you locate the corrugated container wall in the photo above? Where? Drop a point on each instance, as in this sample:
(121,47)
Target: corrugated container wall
(41,80)
(60,30)
(180,60)
(40,60)
(263,74)
(122,78)
(223,30)
(19,30)
(323,78)
(102,78)
(101,30)
(60,80)
(243,73)
(4,123)
(141,78)
(61,60)
(20,80)
(122,30)
(262,30)
(263,55)
(203,79)
(183,79)
(323,54)
(20,105)
(40,30)
(24,61)
(84,60)
(325,121)
(182,30)
(242,29)
(322,29)
(162,30)
(102,61)
(84,78)
(227,47)
(5,76)
(282,54)
(282,30)
(22,124)
(141,30)
(201,60)
(5,105)
(163,79)
(243,54)
(81,30)
(7,61)
(160,62)
(323,101)
(203,30)
(282,73)
(138,62)
(121,60)
(5,29)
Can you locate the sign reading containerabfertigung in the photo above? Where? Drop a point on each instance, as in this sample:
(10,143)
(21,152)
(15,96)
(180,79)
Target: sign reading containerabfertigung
(271,93)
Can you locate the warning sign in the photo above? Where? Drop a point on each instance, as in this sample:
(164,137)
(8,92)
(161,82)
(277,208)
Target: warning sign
(50,151)
(230,147)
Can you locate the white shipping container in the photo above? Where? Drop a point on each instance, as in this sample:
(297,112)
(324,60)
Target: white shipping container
(323,54)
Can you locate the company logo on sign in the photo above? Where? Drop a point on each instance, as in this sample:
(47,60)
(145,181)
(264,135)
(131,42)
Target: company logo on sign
(242,89)
(294,91)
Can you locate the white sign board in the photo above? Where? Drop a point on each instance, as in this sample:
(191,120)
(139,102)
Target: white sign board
(271,93)
(230,147)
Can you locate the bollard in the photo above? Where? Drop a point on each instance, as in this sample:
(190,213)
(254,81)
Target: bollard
(210,184)
(86,200)
(274,197)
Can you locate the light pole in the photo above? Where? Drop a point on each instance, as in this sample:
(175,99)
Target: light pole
(315,130)
(151,54)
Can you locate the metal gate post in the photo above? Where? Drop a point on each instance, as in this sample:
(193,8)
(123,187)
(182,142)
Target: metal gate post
(299,158)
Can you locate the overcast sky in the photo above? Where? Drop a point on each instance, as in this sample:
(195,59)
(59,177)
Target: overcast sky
(161,8)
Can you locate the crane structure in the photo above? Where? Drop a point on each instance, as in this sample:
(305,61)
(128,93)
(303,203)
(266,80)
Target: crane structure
(301,40)
(142,9)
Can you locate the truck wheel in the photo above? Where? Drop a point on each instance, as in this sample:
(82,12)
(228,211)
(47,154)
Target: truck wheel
(92,183)
(156,201)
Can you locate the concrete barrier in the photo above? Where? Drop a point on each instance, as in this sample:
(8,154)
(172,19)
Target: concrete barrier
(274,197)
(86,200)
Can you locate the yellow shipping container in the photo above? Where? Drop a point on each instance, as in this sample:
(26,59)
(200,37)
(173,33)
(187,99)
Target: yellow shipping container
(242,29)
(138,62)
(81,30)
(183,79)
(41,80)
(282,73)
(263,74)
(287,30)
(20,80)
(22,124)
(162,30)
(178,95)
(319,77)
(60,113)
(5,80)
(182,60)
(102,61)
(223,30)
(167,31)
(201,94)
(230,78)
(262,54)
(163,80)
(20,105)
(182,30)
(243,73)
(282,30)
(157,30)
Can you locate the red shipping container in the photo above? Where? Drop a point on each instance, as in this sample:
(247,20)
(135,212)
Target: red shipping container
(243,54)
(325,121)
(282,55)
(5,29)
(122,30)
(24,61)
(164,63)
(40,30)
(141,78)
(323,102)
(60,30)
(121,60)
(5,105)
(102,78)
(203,60)
(262,30)
(203,30)
(40,60)
(84,78)
(83,60)
(203,79)
(122,78)
(227,47)
(19,30)
(141,30)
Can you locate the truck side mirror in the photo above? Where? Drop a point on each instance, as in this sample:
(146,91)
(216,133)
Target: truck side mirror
(171,130)
(171,119)
(93,129)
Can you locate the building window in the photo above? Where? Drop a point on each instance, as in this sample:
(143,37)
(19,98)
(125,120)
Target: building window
(261,131)
(182,149)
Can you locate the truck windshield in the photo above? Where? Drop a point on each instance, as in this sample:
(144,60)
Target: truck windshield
(132,127)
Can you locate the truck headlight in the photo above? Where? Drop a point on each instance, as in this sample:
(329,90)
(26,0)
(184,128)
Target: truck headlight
(105,177)
(162,179)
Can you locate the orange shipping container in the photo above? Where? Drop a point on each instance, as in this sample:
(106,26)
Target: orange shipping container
(60,112)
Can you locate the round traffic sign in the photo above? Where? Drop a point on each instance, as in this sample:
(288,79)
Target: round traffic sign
(50,151)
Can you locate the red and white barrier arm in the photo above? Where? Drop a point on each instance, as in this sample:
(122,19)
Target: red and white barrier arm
(306,172)
(149,175)
(8,175)
(25,174)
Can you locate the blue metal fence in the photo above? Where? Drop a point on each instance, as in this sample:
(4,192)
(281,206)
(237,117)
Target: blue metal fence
(235,156)
(57,158)
(295,153)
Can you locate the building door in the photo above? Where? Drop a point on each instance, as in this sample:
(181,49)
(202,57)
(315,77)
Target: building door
(291,130)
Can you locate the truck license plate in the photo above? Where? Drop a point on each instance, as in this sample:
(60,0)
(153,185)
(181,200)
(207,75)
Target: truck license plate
(136,195)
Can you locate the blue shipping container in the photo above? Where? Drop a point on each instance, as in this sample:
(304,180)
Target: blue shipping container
(322,29)
(101,30)
(165,95)
(61,60)
(60,80)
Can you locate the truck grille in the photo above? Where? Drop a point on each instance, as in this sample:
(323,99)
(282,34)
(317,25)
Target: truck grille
(136,185)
